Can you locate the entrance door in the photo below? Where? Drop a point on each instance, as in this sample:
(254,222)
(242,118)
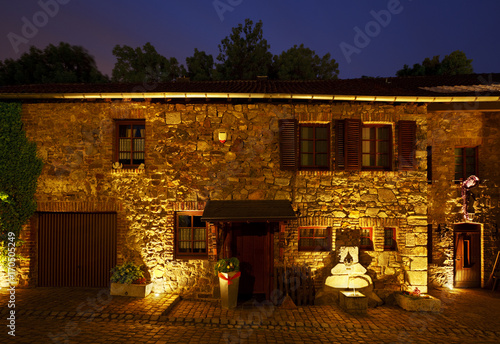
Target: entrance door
(467,255)
(251,244)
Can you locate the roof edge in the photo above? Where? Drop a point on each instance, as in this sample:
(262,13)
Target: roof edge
(268,96)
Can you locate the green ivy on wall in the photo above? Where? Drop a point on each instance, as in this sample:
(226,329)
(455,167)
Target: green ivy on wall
(20,168)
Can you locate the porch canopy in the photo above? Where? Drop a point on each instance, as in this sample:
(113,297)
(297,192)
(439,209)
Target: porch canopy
(254,211)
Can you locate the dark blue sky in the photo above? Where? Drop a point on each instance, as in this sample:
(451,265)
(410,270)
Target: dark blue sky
(373,38)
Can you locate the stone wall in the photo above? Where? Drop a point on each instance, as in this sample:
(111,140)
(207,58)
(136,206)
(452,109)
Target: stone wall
(448,130)
(186,165)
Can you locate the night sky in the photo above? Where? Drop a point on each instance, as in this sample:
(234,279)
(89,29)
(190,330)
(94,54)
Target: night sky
(372,38)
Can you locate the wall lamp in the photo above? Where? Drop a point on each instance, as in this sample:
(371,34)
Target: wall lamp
(222,136)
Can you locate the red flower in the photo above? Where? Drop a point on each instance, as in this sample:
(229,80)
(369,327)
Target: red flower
(141,280)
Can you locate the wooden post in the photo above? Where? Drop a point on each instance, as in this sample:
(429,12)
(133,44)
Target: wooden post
(227,253)
(493,271)
(282,240)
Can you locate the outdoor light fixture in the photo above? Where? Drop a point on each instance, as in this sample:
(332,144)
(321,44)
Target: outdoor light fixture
(222,136)
(468,197)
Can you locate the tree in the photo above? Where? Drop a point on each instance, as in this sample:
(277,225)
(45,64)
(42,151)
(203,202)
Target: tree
(300,63)
(452,64)
(244,53)
(456,63)
(19,171)
(55,64)
(144,65)
(200,66)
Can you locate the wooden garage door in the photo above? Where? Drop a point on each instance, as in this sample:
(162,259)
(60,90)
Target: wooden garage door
(76,249)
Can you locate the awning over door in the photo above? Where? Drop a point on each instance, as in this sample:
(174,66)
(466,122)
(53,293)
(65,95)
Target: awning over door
(255,211)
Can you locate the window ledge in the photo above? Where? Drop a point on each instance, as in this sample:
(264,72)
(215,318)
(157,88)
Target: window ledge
(185,258)
(128,171)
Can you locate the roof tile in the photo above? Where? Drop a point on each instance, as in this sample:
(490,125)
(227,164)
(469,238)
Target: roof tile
(394,86)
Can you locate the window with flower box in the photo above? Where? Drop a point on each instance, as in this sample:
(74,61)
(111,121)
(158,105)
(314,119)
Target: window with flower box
(130,146)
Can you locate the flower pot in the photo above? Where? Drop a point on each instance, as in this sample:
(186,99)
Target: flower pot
(134,290)
(229,283)
(421,304)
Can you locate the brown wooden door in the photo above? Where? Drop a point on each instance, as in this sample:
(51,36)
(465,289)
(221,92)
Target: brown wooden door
(467,255)
(251,244)
(76,249)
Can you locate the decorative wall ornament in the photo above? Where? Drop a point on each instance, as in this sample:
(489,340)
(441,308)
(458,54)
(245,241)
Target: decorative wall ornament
(468,197)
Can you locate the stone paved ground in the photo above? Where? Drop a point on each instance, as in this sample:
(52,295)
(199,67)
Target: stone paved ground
(45,315)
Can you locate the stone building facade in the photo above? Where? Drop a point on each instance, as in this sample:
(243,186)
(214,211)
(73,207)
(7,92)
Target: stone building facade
(449,131)
(393,214)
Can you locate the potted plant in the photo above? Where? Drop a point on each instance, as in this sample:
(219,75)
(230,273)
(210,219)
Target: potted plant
(228,270)
(128,280)
(415,301)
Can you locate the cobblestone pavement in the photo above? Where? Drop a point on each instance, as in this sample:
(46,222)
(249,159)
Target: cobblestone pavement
(63,315)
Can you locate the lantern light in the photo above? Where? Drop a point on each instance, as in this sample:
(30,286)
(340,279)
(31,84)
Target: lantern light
(222,136)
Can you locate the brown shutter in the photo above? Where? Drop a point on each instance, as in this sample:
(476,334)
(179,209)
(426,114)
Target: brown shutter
(288,144)
(407,142)
(352,144)
(340,144)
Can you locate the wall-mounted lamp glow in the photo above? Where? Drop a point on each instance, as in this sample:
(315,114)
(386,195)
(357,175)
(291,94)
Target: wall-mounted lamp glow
(222,136)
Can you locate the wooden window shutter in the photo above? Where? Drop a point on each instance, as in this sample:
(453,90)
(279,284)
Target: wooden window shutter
(407,142)
(340,144)
(352,144)
(288,144)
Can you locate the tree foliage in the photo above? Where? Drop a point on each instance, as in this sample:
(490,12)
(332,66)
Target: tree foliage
(200,66)
(55,64)
(453,64)
(19,171)
(244,54)
(143,65)
(301,63)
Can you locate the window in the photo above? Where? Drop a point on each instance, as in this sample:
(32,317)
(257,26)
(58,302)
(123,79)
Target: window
(305,146)
(376,147)
(370,146)
(465,163)
(366,239)
(315,239)
(314,147)
(389,239)
(191,235)
(429,164)
(130,143)
(429,244)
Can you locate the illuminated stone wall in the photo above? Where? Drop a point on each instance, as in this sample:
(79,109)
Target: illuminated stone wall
(448,130)
(186,165)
